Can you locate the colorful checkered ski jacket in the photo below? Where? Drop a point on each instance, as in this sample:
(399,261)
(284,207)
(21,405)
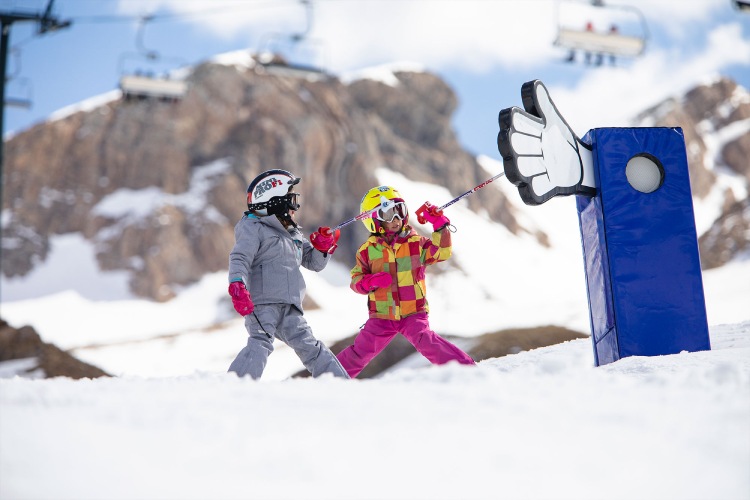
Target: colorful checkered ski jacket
(405,260)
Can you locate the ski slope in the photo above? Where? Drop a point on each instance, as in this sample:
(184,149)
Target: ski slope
(538,424)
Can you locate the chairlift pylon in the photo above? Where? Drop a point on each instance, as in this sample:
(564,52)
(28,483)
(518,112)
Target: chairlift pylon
(272,59)
(613,41)
(144,84)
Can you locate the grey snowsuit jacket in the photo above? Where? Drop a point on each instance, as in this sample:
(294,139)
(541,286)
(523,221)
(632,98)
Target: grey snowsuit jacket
(267,258)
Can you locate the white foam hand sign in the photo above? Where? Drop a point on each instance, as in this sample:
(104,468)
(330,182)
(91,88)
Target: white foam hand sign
(541,154)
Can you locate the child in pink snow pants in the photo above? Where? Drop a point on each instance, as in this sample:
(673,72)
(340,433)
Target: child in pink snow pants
(390,270)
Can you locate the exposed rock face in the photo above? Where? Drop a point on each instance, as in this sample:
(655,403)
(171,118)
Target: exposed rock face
(412,126)
(728,238)
(45,360)
(188,163)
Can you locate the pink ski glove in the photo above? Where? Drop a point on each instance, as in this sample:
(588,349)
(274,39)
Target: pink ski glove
(241,300)
(373,281)
(432,214)
(324,239)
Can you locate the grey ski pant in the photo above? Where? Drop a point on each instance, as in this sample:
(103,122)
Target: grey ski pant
(285,322)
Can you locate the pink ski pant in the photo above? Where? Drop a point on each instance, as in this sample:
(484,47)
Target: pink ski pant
(377,333)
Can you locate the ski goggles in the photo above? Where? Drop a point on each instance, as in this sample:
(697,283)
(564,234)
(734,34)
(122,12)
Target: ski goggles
(398,209)
(278,205)
(292,200)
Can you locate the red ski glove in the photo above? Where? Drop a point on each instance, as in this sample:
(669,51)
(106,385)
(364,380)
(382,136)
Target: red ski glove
(325,239)
(432,214)
(241,300)
(373,281)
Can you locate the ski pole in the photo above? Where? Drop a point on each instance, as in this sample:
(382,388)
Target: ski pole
(364,215)
(420,211)
(384,205)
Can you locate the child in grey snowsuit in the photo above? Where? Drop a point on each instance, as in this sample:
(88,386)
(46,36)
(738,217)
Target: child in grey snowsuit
(265,281)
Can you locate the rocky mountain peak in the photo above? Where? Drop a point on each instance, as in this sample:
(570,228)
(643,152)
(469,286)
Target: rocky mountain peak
(716,112)
(157,186)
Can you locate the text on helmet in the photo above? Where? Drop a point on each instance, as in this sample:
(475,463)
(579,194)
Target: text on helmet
(266,185)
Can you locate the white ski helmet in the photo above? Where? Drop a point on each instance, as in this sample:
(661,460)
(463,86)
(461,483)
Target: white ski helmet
(271,193)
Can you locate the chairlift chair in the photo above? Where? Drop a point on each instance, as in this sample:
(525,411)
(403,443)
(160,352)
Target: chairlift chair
(742,5)
(272,61)
(16,102)
(144,87)
(19,85)
(140,85)
(612,42)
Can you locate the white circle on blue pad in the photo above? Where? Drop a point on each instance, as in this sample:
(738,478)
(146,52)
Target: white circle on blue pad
(644,173)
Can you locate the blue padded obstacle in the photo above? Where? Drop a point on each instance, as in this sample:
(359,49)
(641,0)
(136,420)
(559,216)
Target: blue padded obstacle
(640,246)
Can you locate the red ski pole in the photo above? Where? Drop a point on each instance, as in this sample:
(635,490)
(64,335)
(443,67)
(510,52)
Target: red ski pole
(421,210)
(364,215)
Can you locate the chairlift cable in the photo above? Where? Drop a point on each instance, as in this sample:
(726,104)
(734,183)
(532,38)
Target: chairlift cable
(244,5)
(175,16)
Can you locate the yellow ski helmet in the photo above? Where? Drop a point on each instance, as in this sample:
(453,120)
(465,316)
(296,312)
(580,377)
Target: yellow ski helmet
(378,196)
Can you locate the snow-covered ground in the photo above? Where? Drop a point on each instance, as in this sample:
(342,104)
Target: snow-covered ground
(541,424)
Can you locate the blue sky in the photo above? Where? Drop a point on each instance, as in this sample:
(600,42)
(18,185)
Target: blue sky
(484,49)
